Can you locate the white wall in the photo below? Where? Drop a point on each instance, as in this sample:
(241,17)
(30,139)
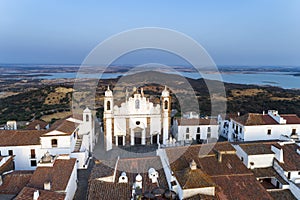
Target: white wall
(241,154)
(72,184)
(259,132)
(206,191)
(22,155)
(181,135)
(82,158)
(260,161)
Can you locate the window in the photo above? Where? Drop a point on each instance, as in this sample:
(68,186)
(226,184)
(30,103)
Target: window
(137,122)
(0,153)
(54,142)
(198,130)
(33,163)
(289,175)
(10,152)
(293,131)
(187,136)
(240,129)
(208,129)
(32,153)
(137,104)
(166,105)
(108,105)
(87,118)
(242,159)
(269,131)
(187,130)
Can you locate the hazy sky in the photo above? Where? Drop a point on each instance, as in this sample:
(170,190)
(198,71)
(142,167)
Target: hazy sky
(234,32)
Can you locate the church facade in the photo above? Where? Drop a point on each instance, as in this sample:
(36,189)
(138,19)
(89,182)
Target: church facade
(137,121)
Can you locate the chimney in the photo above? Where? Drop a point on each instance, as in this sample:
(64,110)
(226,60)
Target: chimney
(263,112)
(219,155)
(36,195)
(238,114)
(138,181)
(47,185)
(193,165)
(123,178)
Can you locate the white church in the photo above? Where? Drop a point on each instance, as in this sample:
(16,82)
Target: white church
(137,121)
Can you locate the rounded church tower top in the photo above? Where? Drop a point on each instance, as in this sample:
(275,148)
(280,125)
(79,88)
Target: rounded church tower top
(108,92)
(165,92)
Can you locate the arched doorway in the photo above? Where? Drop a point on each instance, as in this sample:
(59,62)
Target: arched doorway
(138,136)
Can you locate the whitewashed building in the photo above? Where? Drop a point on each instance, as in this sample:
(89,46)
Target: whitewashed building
(197,129)
(137,121)
(270,126)
(71,136)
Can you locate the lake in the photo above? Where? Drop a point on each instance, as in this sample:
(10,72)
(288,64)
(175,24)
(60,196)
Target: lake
(281,79)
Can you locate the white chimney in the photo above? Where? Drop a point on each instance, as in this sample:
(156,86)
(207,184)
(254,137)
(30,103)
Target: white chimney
(123,178)
(138,181)
(47,185)
(193,165)
(153,175)
(36,195)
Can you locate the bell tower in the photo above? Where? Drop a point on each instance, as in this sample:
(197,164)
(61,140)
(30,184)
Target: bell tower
(166,114)
(108,118)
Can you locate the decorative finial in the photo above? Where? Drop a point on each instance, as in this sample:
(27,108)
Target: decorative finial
(142,92)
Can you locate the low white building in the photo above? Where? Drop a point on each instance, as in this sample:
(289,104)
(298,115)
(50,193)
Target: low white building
(270,126)
(255,155)
(199,130)
(71,136)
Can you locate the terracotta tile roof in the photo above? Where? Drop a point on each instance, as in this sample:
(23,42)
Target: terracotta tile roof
(290,157)
(242,187)
(196,122)
(255,148)
(282,194)
(291,118)
(268,173)
(35,123)
(58,175)
(132,166)
(264,119)
(64,126)
(20,137)
(189,179)
(14,182)
(103,169)
(206,156)
(102,190)
(27,194)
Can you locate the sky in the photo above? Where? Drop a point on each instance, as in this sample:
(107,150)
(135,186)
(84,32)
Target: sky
(233,32)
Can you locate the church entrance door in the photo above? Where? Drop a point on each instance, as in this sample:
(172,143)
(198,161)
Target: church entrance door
(120,140)
(138,138)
